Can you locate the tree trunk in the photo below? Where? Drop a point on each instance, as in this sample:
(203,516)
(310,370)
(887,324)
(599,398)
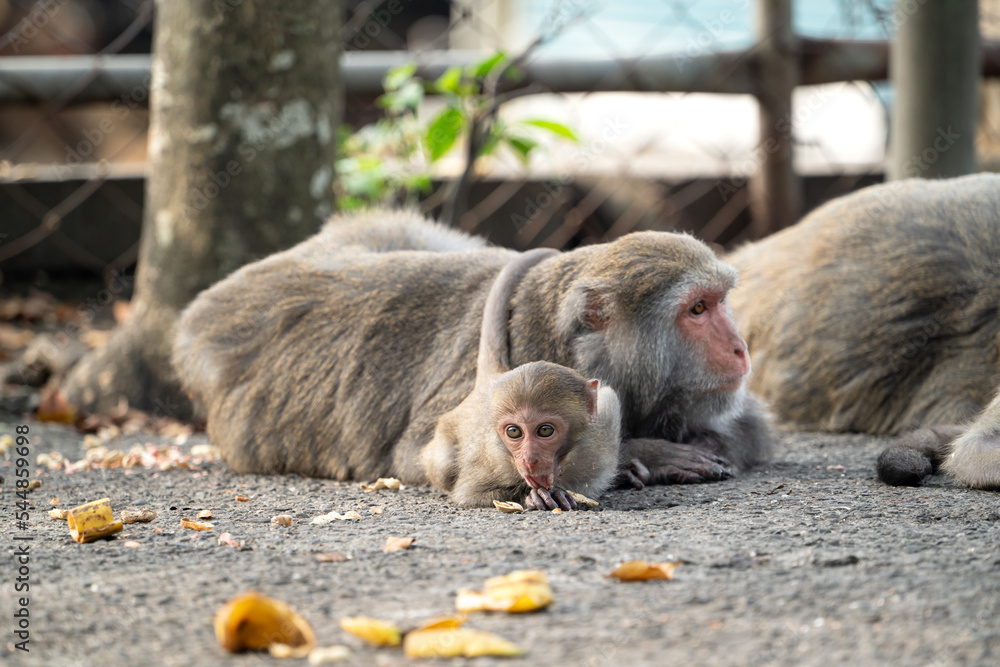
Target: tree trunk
(935,69)
(245,105)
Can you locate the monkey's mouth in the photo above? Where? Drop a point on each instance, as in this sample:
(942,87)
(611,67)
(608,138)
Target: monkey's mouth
(540,481)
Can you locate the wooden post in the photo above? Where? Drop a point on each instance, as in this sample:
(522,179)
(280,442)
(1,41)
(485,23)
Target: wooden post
(775,190)
(934,68)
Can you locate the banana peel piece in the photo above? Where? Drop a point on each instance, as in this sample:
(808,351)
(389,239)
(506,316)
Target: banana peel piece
(92,521)
(458,642)
(445,622)
(255,622)
(640,570)
(518,592)
(372,630)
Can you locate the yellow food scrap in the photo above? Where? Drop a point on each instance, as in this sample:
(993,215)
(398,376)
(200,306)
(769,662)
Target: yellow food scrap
(196,525)
(372,630)
(458,642)
(445,622)
(509,507)
(640,570)
(390,483)
(57,513)
(582,501)
(281,520)
(254,622)
(137,516)
(92,521)
(349,515)
(518,592)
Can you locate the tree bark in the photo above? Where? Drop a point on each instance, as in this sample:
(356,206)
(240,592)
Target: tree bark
(245,104)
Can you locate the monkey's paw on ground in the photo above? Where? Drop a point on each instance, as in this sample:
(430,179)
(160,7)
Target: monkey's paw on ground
(545,500)
(685,465)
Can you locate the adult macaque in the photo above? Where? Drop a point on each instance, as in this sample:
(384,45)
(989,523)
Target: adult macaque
(522,431)
(971,457)
(878,312)
(338,364)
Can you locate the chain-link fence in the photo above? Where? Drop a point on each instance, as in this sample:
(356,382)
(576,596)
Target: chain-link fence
(662,94)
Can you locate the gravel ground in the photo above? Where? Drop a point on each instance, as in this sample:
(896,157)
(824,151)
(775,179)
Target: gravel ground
(806,561)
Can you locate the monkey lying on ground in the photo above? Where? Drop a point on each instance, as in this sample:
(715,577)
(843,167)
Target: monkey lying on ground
(521,431)
(971,456)
(878,313)
(339,364)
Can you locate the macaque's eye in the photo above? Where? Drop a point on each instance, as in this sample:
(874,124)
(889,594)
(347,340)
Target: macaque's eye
(698,308)
(514,432)
(546,430)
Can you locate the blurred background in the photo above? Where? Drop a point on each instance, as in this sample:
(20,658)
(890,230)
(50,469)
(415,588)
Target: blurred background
(671,106)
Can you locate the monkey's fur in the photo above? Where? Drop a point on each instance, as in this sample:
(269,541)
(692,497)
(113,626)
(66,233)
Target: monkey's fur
(880,313)
(338,364)
(467,456)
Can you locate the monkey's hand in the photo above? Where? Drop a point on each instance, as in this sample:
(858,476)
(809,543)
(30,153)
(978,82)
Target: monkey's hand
(650,461)
(545,500)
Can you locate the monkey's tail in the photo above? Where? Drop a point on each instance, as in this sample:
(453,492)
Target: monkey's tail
(494,341)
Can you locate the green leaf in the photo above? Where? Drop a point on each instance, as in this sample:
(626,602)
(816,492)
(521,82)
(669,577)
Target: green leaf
(522,147)
(407,98)
(397,76)
(450,81)
(557,129)
(482,70)
(443,132)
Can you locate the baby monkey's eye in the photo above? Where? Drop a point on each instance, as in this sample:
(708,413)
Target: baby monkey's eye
(546,430)
(513,432)
(698,308)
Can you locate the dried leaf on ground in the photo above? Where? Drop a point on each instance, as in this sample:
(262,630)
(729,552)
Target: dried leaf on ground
(33,485)
(196,525)
(518,592)
(390,483)
(509,507)
(256,622)
(59,514)
(458,642)
(137,516)
(205,514)
(92,521)
(331,557)
(282,520)
(372,630)
(350,515)
(397,544)
(242,499)
(640,570)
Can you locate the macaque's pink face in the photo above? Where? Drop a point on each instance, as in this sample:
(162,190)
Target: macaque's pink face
(535,439)
(707,323)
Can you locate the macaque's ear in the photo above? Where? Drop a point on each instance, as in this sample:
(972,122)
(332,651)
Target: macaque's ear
(589,304)
(591,393)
